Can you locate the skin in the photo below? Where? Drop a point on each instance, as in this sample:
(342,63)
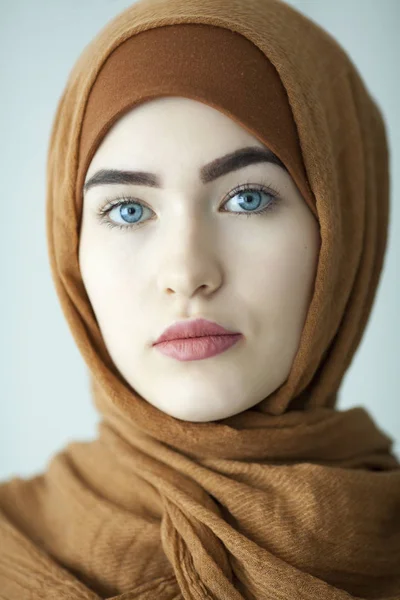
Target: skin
(195,254)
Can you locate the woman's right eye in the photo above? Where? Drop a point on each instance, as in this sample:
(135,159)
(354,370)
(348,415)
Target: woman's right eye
(130,210)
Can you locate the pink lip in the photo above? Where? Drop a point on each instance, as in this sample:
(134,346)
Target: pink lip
(195,340)
(193,329)
(197,348)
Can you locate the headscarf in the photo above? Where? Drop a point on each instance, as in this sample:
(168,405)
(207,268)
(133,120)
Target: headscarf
(291,498)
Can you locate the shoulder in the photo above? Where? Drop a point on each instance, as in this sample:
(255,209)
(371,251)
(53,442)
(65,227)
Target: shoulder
(27,570)
(19,502)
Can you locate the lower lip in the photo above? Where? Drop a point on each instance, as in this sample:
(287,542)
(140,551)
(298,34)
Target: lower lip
(197,348)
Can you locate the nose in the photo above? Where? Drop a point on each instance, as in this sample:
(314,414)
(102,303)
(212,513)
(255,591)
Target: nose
(190,264)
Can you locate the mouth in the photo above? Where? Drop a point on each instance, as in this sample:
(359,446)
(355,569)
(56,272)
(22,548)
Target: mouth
(197,348)
(194,328)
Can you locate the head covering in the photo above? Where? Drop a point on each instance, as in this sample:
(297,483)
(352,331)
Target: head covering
(291,498)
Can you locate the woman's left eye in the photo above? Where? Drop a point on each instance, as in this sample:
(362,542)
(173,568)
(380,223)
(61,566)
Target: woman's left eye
(249,199)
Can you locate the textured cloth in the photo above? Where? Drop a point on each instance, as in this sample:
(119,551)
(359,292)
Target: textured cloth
(291,498)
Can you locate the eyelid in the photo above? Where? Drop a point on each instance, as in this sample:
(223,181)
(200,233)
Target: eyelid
(264,186)
(111,201)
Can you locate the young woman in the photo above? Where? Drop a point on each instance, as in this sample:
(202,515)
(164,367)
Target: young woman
(217,213)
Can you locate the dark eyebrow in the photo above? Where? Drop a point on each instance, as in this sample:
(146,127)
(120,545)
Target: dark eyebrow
(216,168)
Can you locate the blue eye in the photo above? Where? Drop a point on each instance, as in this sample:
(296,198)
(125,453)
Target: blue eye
(130,211)
(250,198)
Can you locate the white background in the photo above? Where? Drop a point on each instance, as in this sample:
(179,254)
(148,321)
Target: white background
(45,400)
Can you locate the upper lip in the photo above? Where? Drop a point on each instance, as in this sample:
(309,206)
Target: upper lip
(193,328)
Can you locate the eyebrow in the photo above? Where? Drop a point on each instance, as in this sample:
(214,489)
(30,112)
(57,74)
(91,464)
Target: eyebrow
(220,166)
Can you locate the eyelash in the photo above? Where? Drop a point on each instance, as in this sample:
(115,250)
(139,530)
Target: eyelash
(124,200)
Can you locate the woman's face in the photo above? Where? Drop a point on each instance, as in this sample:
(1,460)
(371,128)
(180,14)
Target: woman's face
(186,250)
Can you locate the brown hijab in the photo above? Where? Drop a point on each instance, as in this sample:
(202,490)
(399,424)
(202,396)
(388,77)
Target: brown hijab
(291,498)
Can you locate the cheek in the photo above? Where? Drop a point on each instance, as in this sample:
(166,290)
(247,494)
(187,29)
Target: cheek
(280,276)
(294,284)
(111,277)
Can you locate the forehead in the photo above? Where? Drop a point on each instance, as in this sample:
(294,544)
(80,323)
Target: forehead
(152,133)
(152,130)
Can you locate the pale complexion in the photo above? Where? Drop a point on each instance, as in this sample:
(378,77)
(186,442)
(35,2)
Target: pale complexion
(194,253)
